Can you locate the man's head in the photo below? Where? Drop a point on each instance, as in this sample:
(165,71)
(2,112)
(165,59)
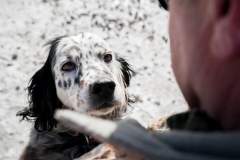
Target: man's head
(205,48)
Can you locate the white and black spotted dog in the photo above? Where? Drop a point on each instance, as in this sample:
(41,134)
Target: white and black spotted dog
(83,74)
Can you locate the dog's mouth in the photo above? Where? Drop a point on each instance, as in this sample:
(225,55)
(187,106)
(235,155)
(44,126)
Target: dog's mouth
(103,108)
(105,105)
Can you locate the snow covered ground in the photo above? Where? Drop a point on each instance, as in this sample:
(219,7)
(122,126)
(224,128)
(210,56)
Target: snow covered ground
(136,29)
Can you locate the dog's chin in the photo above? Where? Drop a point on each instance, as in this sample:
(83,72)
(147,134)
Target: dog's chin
(103,109)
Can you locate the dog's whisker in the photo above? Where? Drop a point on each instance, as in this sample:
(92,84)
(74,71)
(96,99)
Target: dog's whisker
(64,104)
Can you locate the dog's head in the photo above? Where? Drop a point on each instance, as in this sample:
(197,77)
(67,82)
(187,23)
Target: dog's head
(81,73)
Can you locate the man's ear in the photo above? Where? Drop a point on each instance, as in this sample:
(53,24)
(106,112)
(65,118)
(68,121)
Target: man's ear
(126,70)
(225,42)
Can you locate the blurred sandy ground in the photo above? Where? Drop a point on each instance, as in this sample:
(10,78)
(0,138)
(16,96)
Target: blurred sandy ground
(136,29)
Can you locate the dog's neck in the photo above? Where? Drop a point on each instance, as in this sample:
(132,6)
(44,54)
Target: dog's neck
(63,140)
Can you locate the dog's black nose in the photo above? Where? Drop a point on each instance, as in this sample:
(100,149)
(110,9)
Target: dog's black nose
(103,89)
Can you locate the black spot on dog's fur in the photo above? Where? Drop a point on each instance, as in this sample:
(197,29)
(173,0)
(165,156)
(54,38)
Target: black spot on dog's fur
(59,84)
(99,55)
(65,84)
(77,59)
(90,53)
(69,83)
(69,57)
(96,45)
(79,72)
(77,80)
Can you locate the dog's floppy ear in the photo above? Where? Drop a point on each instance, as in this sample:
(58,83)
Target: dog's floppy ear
(126,70)
(43,99)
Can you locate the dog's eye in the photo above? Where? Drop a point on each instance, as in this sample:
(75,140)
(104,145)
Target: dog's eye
(107,58)
(69,66)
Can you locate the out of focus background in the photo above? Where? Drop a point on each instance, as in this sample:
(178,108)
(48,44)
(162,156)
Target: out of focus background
(136,29)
